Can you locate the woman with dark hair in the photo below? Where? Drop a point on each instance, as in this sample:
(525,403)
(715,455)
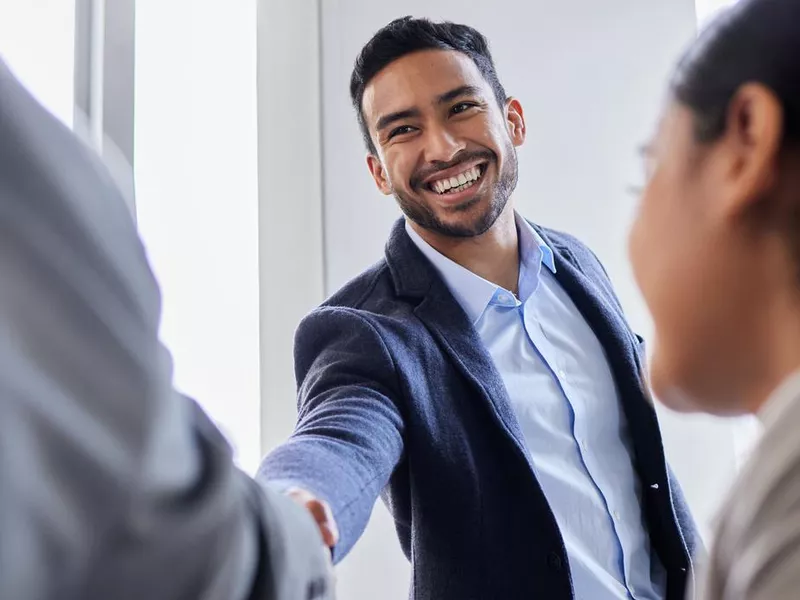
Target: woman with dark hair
(716,252)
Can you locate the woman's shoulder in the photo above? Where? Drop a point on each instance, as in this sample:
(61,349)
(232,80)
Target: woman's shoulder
(756,552)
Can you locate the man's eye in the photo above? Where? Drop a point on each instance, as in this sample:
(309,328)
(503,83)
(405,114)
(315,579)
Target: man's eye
(401,131)
(462,107)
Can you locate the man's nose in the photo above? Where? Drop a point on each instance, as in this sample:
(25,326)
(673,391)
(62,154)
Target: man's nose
(441,146)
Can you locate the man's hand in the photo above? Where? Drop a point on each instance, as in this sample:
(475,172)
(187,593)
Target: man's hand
(320,511)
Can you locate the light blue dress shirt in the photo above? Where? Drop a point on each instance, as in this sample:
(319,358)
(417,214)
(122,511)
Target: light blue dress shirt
(566,402)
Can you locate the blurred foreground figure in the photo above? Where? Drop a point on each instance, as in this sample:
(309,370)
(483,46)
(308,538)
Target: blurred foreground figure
(716,251)
(112,485)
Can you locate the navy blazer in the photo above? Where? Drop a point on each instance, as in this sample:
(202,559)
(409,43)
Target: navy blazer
(399,397)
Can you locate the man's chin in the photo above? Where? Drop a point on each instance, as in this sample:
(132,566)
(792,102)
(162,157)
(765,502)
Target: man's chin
(469,218)
(466,206)
(464,225)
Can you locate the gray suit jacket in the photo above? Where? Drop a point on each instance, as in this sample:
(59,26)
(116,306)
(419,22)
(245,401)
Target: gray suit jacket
(112,486)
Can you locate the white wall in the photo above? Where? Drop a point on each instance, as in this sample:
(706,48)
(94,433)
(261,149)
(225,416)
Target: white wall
(591,77)
(290,197)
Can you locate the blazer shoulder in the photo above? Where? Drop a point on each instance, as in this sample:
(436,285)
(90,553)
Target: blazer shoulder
(357,307)
(562,238)
(361,292)
(578,250)
(584,258)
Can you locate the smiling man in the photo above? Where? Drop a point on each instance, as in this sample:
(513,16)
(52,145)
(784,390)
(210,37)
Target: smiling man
(481,377)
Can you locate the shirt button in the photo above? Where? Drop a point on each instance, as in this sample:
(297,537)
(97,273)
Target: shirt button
(616,515)
(584,446)
(554,561)
(502,298)
(562,374)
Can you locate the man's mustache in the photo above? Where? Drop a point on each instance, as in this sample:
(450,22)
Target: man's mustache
(462,157)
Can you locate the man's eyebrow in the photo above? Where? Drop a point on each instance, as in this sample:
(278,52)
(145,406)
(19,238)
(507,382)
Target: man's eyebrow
(387,120)
(464,90)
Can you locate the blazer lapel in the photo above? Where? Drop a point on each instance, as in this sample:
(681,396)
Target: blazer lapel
(448,323)
(415,278)
(601,310)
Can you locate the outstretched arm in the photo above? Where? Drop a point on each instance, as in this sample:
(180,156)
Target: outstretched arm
(349,435)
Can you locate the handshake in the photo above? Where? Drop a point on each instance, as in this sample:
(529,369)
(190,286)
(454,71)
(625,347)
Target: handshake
(320,511)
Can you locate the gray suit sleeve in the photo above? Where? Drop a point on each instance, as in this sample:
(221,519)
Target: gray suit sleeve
(112,485)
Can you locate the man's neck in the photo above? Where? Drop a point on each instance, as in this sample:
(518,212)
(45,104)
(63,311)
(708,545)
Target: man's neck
(494,255)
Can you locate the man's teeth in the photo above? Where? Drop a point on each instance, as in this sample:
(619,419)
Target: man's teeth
(458,182)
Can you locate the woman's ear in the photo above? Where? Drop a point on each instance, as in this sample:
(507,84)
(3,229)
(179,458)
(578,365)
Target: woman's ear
(750,147)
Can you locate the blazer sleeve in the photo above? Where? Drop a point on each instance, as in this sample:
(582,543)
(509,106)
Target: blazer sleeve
(349,434)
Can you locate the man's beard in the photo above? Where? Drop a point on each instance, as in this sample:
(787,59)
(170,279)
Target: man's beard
(421,214)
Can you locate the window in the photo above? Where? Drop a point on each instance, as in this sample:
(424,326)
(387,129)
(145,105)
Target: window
(707,9)
(195,163)
(37,41)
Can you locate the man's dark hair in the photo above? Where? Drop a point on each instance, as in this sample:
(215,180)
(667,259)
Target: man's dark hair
(406,35)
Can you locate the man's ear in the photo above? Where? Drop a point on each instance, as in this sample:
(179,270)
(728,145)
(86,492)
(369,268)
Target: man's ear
(379,174)
(515,121)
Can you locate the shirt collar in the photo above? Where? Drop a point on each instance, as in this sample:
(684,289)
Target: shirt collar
(474,293)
